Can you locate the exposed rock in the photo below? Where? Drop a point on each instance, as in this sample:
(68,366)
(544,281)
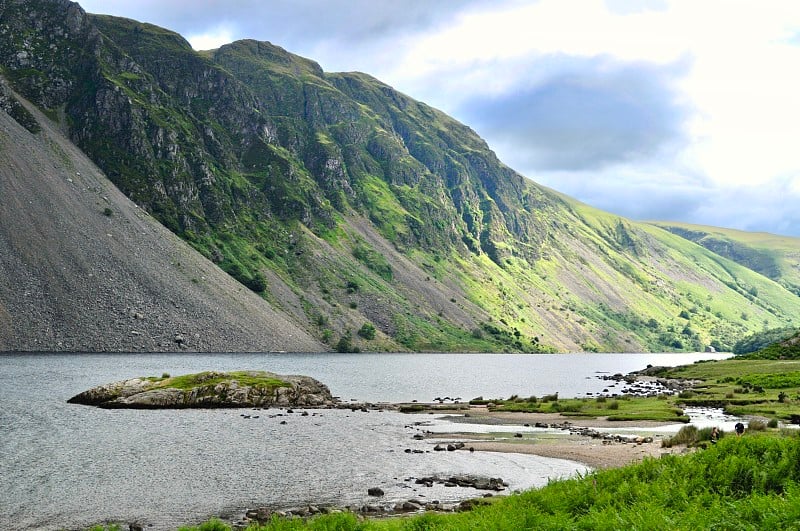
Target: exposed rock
(210,390)
(495,484)
(375,491)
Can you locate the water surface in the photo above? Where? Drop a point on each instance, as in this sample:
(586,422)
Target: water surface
(66,466)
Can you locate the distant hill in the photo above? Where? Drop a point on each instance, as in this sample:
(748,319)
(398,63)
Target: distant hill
(368,218)
(762,339)
(775,257)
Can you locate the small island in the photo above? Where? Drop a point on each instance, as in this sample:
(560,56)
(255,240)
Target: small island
(210,389)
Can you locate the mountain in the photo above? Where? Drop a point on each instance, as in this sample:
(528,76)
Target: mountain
(82,268)
(371,219)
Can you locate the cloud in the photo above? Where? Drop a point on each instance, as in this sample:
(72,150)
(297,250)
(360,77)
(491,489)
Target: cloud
(587,114)
(301,26)
(758,208)
(211,39)
(651,193)
(628,7)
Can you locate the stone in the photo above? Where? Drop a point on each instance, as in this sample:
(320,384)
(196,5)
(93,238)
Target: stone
(375,491)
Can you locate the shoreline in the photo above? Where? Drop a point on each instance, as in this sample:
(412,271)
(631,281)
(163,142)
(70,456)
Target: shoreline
(568,440)
(594,452)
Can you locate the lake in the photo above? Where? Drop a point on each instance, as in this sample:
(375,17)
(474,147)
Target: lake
(68,466)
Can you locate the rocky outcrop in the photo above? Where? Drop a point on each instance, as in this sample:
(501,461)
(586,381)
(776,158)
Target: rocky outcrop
(210,390)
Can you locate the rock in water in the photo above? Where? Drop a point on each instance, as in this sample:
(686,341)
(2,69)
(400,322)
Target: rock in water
(210,390)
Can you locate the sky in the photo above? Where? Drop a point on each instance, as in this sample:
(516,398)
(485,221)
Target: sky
(672,110)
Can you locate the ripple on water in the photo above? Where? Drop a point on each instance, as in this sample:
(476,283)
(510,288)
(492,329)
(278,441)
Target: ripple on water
(68,466)
(172,467)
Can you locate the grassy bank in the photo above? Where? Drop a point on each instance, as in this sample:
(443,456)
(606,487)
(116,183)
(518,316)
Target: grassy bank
(756,387)
(749,482)
(766,388)
(624,407)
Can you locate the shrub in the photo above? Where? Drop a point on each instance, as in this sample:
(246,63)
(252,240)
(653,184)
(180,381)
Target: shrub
(345,343)
(367,331)
(373,260)
(550,398)
(613,405)
(687,435)
(773,423)
(257,282)
(756,425)
(320,320)
(600,399)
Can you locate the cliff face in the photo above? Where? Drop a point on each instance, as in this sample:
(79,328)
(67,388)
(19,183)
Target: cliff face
(84,269)
(372,219)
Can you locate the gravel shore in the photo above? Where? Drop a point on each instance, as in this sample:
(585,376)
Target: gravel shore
(593,452)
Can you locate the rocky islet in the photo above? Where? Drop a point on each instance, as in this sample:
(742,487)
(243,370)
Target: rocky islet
(211,389)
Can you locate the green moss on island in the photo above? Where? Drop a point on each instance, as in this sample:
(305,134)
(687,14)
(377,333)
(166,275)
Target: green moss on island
(259,379)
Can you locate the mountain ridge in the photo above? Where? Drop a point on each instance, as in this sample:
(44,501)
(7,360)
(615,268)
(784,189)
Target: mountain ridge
(351,207)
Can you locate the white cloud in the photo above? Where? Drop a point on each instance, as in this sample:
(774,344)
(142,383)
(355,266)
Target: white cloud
(212,39)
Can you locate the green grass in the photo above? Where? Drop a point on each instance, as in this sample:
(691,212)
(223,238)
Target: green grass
(244,378)
(769,388)
(624,408)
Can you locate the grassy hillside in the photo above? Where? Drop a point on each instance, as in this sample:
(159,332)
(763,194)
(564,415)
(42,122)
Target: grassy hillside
(376,221)
(775,257)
